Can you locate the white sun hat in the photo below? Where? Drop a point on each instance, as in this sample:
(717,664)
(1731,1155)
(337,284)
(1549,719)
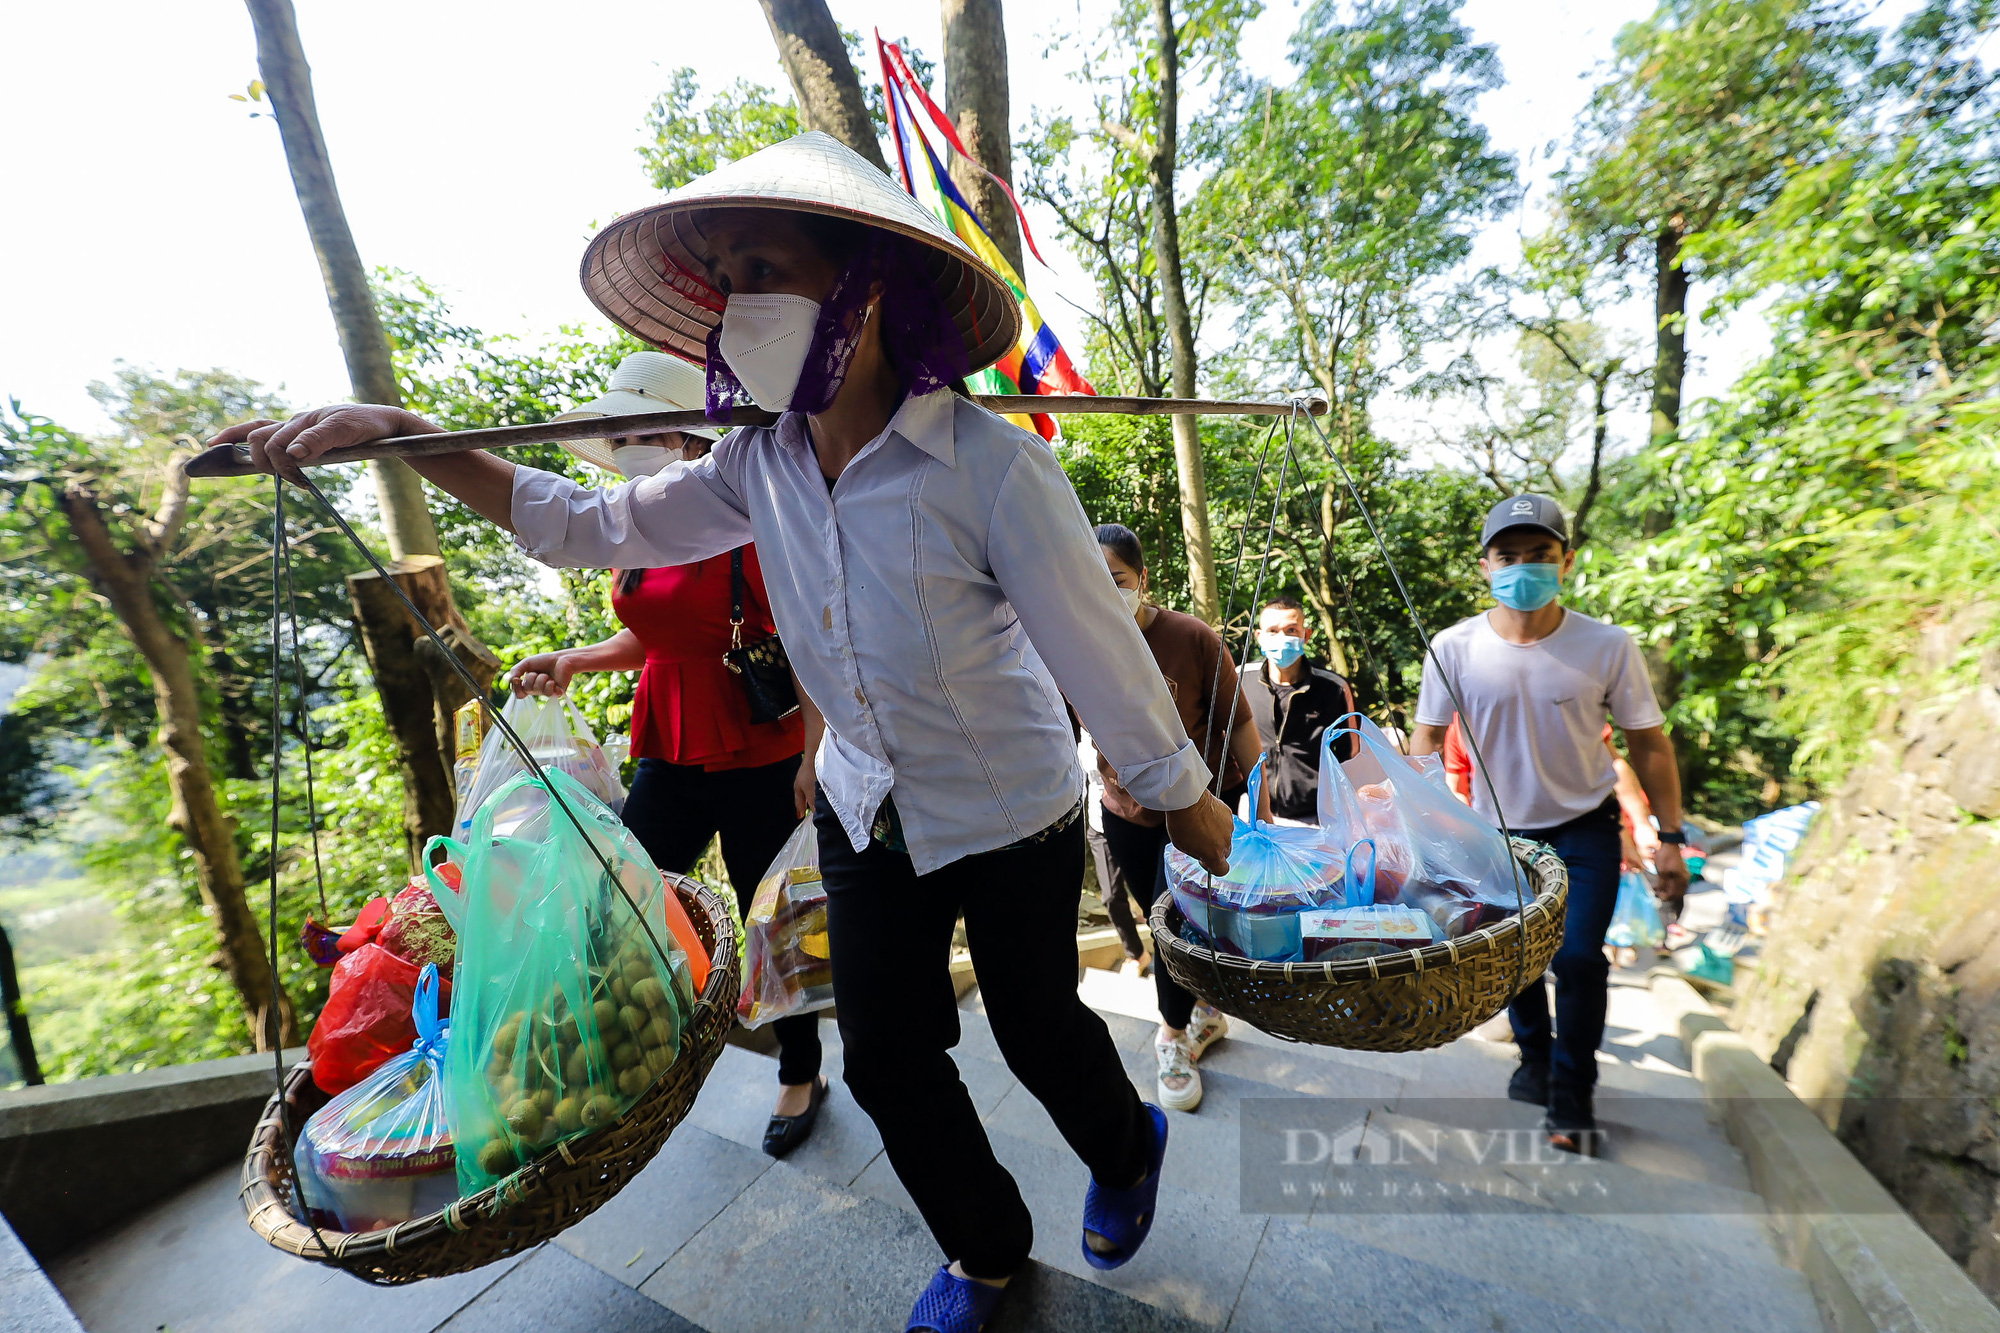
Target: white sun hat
(645,273)
(643,382)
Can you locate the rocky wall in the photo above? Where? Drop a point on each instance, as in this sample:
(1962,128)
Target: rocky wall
(1878,995)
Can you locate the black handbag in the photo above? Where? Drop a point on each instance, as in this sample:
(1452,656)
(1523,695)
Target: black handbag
(761,668)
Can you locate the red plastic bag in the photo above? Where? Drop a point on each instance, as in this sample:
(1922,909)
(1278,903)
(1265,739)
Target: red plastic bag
(367,1017)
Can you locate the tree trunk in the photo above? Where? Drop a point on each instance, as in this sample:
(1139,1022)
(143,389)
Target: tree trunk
(19,1039)
(822,76)
(1670,336)
(1600,433)
(126,580)
(281,60)
(975,97)
(419,690)
(1180,320)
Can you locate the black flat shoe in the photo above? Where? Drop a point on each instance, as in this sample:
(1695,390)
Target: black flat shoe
(1530,1083)
(1571,1122)
(786,1132)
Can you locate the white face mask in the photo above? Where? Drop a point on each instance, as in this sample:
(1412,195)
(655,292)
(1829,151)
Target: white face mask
(765,339)
(643,460)
(1131,597)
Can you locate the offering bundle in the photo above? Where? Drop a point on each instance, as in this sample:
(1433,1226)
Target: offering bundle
(381,1152)
(1275,873)
(561,741)
(376,962)
(1435,854)
(786,967)
(565,1009)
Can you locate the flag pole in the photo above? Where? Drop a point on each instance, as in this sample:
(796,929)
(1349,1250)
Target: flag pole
(233,460)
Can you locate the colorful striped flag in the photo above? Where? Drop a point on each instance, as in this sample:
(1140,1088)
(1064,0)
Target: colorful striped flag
(1038,363)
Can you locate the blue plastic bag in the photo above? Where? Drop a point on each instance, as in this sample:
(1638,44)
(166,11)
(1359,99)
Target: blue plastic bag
(1275,872)
(381,1152)
(1635,919)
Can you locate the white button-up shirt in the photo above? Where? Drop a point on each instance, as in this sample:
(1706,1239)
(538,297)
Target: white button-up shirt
(931,605)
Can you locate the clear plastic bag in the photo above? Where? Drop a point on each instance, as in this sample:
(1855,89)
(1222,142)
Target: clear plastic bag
(787,967)
(381,1152)
(1436,854)
(560,740)
(563,1011)
(1635,919)
(1275,872)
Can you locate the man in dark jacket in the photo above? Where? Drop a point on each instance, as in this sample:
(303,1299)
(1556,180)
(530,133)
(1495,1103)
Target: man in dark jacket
(1293,700)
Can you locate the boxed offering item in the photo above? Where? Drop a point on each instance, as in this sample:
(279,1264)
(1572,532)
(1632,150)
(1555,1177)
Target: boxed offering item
(787,965)
(381,1152)
(1342,933)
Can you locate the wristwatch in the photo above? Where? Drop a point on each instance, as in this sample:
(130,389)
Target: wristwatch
(1677,838)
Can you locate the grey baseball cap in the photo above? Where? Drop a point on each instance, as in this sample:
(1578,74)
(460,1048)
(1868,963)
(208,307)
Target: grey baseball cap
(1524,511)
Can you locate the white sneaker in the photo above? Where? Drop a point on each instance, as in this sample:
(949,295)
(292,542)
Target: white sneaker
(1179,1083)
(1208,1026)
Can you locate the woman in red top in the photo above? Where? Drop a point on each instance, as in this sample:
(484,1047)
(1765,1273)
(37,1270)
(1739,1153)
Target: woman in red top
(704,767)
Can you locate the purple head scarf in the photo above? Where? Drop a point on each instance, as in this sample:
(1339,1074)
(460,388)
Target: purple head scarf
(917,331)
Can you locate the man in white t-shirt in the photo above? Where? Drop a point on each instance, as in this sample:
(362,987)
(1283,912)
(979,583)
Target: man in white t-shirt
(1534,684)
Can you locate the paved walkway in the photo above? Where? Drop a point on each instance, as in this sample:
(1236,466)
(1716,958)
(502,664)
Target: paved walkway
(715,1236)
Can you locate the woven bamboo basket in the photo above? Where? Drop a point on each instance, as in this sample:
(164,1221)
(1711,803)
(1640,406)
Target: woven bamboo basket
(1408,1001)
(543,1198)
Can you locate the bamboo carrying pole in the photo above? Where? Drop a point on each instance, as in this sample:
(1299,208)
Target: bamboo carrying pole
(233,460)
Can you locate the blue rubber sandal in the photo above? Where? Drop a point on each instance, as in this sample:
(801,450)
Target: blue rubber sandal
(1125,1217)
(953,1304)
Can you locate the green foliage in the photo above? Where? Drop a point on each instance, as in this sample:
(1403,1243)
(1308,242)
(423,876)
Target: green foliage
(683,143)
(1343,200)
(1837,502)
(465,379)
(1712,104)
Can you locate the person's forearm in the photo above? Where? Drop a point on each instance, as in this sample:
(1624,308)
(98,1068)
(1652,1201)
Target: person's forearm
(1631,796)
(1652,757)
(815,723)
(621,652)
(1246,747)
(484,483)
(1427,739)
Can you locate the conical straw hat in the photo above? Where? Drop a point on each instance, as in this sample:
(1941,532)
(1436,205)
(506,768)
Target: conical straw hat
(643,272)
(643,382)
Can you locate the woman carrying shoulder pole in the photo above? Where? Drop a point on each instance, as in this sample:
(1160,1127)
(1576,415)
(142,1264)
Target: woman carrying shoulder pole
(937,588)
(706,767)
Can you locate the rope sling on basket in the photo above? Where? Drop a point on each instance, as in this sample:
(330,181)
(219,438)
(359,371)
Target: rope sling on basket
(1408,1000)
(556,1188)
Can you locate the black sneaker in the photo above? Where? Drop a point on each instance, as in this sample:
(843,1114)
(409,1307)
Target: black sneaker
(1530,1083)
(1570,1123)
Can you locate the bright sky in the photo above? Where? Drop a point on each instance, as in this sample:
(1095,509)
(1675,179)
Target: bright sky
(476,144)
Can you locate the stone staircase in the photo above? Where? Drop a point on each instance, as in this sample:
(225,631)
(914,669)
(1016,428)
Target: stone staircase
(715,1236)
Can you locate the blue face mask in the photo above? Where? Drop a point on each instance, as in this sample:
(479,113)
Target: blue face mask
(1281,650)
(1527,587)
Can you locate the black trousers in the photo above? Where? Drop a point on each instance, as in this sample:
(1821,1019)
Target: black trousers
(891,931)
(674,809)
(1141,853)
(1116,894)
(1589,848)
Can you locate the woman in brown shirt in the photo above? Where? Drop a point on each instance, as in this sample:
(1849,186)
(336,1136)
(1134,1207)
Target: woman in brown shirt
(1202,680)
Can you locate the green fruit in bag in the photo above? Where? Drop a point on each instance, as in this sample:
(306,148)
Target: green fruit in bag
(564,1009)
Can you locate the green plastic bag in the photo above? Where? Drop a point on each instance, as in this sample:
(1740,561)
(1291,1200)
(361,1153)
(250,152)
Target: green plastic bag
(563,1010)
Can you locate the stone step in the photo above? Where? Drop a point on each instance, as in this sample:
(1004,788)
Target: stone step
(715,1236)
